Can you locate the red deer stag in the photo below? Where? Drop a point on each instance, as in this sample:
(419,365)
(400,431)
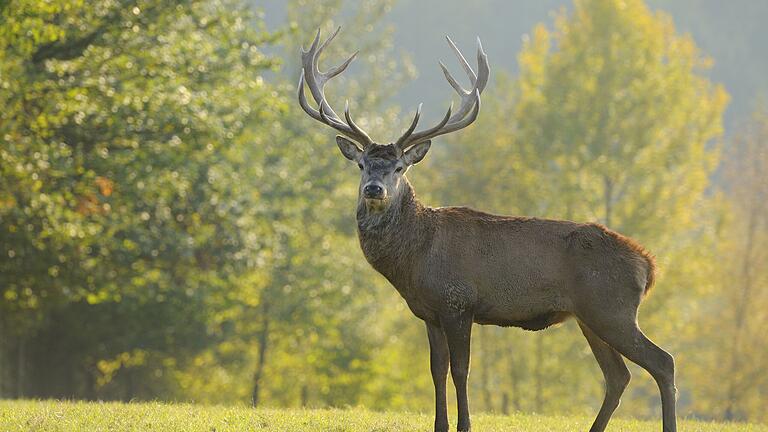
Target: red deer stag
(455,266)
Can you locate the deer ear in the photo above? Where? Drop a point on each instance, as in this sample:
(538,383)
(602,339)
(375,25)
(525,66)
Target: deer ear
(348,148)
(416,153)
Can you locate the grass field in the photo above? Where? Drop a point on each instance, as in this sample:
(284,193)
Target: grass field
(83,416)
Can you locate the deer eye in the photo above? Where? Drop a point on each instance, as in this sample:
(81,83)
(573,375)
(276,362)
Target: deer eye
(398,169)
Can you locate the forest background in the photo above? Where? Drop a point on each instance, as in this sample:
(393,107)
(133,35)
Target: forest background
(172,227)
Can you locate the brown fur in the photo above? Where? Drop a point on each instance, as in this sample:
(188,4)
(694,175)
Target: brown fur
(456,265)
(521,256)
(632,245)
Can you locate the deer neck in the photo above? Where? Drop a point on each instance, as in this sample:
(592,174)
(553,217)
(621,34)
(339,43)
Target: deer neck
(392,238)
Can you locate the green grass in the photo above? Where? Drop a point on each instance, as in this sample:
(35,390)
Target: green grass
(89,416)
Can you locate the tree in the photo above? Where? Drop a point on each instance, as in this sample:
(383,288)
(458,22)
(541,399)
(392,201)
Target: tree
(611,120)
(301,321)
(121,217)
(735,363)
(170,221)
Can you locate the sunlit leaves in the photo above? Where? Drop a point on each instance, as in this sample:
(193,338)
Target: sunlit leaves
(117,182)
(611,120)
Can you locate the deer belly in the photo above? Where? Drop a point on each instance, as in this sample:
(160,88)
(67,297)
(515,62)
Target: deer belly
(537,322)
(533,309)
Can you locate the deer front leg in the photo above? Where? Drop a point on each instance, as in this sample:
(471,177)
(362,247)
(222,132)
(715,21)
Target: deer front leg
(458,331)
(438,362)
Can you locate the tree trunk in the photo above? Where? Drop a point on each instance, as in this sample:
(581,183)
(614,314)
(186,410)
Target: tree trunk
(514,374)
(263,344)
(90,391)
(304,395)
(539,374)
(516,365)
(742,305)
(129,385)
(2,357)
(505,403)
(484,366)
(20,366)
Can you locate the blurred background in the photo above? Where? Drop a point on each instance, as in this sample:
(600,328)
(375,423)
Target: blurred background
(174,227)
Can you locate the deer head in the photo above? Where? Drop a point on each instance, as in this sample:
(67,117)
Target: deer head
(383,166)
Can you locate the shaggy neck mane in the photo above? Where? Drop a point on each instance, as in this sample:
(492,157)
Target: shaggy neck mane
(390,238)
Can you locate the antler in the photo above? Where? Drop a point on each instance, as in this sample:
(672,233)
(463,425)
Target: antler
(470,101)
(316,82)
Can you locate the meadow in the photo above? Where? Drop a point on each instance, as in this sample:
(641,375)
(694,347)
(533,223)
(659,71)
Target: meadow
(45,416)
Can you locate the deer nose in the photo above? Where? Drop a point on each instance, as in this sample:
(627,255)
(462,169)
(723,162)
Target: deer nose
(373,191)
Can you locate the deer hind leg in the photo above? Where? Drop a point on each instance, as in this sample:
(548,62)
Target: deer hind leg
(621,332)
(616,375)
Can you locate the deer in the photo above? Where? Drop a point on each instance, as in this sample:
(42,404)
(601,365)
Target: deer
(456,266)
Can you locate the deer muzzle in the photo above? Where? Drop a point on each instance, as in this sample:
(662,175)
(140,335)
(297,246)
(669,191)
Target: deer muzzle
(374,191)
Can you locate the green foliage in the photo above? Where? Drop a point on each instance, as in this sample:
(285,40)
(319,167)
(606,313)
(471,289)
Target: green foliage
(311,302)
(173,226)
(611,120)
(170,212)
(741,297)
(121,174)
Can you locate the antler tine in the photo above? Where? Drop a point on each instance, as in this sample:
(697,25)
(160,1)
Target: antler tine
(463,61)
(339,126)
(470,99)
(452,81)
(429,133)
(303,100)
(316,80)
(411,128)
(467,96)
(314,43)
(327,41)
(332,72)
(353,125)
(466,121)
(318,115)
(483,69)
(444,127)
